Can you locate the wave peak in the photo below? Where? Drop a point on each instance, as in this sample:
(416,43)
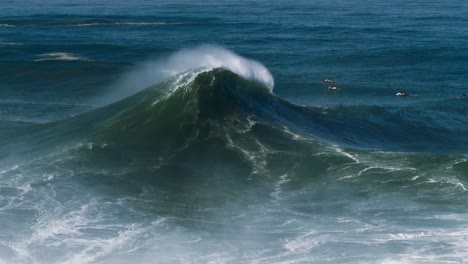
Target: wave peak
(189,62)
(211,57)
(61,56)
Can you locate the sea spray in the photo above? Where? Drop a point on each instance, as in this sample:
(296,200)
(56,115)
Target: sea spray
(202,58)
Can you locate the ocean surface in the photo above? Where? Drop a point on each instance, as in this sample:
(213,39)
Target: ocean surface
(204,132)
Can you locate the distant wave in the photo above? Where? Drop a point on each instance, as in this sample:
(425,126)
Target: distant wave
(26,102)
(123,24)
(10,44)
(6,25)
(61,56)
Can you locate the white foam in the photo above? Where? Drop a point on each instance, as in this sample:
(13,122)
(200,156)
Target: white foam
(416,177)
(61,56)
(344,153)
(104,247)
(14,167)
(450,180)
(409,236)
(454,239)
(50,226)
(217,57)
(6,25)
(303,243)
(185,78)
(278,186)
(293,135)
(451,165)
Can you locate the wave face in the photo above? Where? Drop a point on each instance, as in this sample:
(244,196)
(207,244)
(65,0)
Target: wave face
(210,166)
(125,139)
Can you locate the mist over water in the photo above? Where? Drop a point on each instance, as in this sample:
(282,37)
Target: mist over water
(202,58)
(125,138)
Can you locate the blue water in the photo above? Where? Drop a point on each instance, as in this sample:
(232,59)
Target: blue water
(256,163)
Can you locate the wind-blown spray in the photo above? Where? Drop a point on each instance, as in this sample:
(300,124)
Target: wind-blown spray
(205,57)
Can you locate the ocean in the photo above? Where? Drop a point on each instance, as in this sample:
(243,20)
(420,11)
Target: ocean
(233,131)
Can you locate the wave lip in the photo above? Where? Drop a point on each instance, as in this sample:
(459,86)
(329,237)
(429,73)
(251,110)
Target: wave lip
(188,62)
(206,58)
(7,25)
(61,56)
(212,57)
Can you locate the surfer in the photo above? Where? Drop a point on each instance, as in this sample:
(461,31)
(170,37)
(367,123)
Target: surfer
(463,96)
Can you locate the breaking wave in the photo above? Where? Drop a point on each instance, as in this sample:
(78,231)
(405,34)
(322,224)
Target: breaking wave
(94,24)
(61,56)
(189,61)
(210,160)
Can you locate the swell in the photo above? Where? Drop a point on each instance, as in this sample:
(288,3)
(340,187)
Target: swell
(213,136)
(167,115)
(83,21)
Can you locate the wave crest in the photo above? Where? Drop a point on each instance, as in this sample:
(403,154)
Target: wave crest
(61,56)
(211,57)
(203,58)
(94,24)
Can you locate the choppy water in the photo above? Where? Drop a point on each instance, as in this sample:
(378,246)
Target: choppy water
(203,132)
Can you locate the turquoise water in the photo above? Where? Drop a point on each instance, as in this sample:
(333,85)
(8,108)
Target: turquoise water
(203,132)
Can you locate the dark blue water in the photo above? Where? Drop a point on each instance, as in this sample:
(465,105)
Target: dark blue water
(210,166)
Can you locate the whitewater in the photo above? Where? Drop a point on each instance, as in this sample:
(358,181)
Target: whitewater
(202,184)
(173,132)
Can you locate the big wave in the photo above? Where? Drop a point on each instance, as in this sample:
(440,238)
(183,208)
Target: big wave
(208,154)
(167,116)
